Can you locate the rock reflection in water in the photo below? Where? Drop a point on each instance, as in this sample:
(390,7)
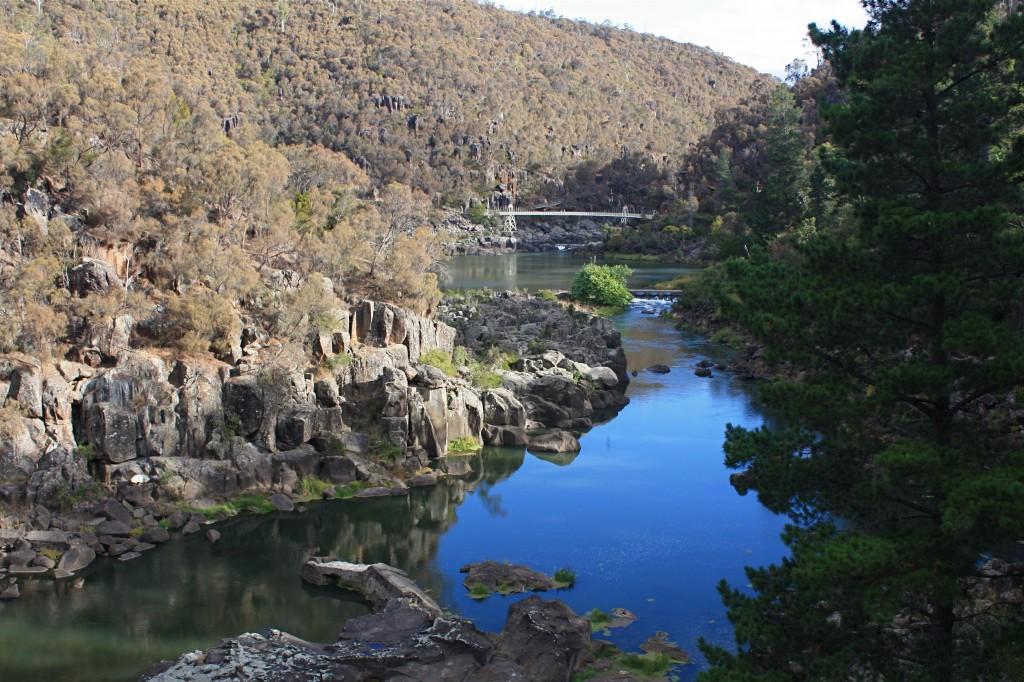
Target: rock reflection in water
(188,594)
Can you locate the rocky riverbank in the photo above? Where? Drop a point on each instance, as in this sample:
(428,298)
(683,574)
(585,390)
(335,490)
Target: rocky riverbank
(462,236)
(108,456)
(409,637)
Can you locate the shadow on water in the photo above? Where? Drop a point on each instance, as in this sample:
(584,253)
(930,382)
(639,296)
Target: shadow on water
(644,515)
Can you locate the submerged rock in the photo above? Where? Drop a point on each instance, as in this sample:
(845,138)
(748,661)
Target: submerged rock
(659,369)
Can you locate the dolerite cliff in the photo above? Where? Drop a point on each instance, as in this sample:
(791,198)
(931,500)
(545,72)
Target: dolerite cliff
(102,454)
(570,371)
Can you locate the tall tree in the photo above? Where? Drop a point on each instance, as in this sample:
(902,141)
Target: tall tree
(898,462)
(779,204)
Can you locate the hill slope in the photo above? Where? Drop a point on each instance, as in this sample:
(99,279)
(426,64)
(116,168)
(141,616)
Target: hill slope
(449,96)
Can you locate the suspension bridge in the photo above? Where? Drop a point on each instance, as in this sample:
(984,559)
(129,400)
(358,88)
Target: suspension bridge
(511,213)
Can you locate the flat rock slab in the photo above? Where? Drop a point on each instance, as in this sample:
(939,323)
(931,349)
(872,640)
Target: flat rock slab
(506,578)
(379,583)
(56,539)
(27,570)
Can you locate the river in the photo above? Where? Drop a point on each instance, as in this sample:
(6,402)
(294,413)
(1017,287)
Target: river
(644,515)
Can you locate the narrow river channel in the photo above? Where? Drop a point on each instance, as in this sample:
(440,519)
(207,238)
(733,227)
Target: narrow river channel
(644,515)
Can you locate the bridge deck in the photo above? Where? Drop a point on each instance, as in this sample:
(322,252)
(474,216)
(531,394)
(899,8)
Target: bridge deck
(579,214)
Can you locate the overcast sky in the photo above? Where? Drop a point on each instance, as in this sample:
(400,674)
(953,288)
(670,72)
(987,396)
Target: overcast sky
(765,34)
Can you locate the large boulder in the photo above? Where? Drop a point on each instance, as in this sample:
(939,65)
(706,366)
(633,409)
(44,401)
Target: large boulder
(24,377)
(505,436)
(554,441)
(602,376)
(545,638)
(93,276)
(502,408)
(76,558)
(562,391)
(59,475)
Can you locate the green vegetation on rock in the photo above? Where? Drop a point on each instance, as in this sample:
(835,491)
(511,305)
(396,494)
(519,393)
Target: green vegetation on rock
(479,591)
(243,504)
(463,445)
(313,488)
(565,577)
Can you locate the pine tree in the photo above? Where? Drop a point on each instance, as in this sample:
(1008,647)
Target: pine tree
(900,462)
(780,201)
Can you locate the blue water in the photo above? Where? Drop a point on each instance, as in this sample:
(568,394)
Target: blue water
(645,514)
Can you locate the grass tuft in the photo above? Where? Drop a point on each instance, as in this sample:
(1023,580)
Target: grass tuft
(479,591)
(313,488)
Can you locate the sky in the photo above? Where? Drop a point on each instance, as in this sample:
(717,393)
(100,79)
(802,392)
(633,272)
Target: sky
(765,34)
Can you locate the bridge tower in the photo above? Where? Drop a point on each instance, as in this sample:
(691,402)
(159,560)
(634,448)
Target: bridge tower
(510,220)
(624,220)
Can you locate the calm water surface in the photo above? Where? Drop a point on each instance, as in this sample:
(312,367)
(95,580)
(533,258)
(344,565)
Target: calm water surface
(644,515)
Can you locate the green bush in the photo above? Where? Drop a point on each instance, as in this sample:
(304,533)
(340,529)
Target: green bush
(440,360)
(602,285)
(547,295)
(461,357)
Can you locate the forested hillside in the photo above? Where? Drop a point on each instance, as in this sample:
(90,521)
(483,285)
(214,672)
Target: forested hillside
(448,96)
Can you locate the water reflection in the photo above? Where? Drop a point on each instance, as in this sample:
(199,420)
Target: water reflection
(533,271)
(188,593)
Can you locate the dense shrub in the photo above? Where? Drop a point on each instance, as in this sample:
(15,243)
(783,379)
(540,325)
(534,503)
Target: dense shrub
(603,285)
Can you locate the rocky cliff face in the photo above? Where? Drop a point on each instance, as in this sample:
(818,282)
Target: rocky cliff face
(144,430)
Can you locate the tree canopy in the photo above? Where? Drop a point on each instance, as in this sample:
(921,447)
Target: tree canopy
(900,462)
